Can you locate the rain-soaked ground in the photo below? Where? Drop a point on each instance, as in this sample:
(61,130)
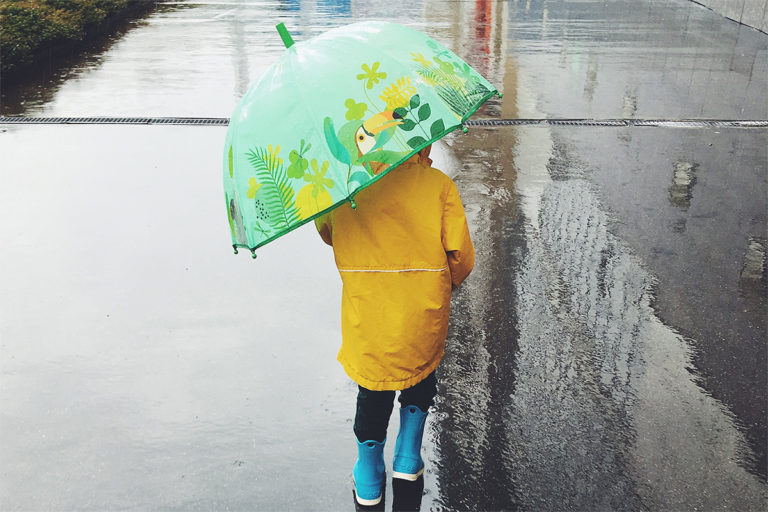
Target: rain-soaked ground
(607,353)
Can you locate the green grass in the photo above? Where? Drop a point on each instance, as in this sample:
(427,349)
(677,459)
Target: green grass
(28,27)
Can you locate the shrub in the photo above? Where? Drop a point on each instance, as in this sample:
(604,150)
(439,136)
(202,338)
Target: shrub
(28,26)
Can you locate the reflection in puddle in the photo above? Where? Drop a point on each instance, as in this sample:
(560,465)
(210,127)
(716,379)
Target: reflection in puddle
(755,260)
(618,378)
(562,388)
(606,380)
(754,271)
(683,181)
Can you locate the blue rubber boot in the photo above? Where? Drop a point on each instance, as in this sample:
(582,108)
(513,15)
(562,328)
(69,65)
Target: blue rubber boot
(369,472)
(408,464)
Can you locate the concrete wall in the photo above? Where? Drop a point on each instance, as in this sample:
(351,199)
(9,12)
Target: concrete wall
(753,13)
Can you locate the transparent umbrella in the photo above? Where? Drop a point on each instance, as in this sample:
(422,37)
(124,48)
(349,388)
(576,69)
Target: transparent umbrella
(332,116)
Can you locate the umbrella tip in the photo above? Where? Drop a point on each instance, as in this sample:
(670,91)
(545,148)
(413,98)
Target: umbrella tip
(284,35)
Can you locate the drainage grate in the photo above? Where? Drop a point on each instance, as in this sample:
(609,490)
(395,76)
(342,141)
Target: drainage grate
(547,122)
(667,123)
(223,121)
(704,123)
(194,121)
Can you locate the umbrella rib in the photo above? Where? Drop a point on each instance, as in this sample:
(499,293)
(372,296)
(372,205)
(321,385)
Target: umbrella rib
(321,137)
(308,107)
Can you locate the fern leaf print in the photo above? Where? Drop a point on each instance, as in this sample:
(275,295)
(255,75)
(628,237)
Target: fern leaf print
(277,203)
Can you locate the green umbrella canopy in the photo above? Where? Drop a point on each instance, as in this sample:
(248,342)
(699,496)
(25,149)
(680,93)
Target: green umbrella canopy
(332,116)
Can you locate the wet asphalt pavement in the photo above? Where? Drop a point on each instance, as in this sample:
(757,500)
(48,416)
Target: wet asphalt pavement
(607,353)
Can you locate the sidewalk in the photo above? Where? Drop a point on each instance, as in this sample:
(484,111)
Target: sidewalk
(607,353)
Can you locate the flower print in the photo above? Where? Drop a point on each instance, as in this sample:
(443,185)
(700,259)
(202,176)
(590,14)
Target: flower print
(372,75)
(253,187)
(317,178)
(418,57)
(314,197)
(399,93)
(355,110)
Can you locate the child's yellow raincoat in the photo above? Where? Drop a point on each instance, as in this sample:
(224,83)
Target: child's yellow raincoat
(399,255)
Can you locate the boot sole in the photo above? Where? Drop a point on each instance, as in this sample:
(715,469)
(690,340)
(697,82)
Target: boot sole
(370,503)
(367,503)
(412,477)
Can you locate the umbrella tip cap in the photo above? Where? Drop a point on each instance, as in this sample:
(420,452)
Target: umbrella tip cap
(284,35)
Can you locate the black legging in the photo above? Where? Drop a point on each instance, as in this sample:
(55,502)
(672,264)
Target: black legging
(375,407)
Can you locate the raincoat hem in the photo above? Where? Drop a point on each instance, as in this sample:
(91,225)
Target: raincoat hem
(391,384)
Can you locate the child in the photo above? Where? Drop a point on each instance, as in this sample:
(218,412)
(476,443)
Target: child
(399,254)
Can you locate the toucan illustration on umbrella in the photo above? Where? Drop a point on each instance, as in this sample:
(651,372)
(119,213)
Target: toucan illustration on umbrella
(360,143)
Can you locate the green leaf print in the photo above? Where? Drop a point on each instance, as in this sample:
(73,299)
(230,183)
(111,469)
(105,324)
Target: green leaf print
(355,110)
(445,67)
(299,164)
(463,70)
(359,177)
(437,128)
(417,142)
(424,112)
(338,150)
(457,90)
(417,111)
(277,192)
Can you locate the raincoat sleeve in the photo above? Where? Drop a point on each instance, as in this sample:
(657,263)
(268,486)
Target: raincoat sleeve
(455,235)
(323,225)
